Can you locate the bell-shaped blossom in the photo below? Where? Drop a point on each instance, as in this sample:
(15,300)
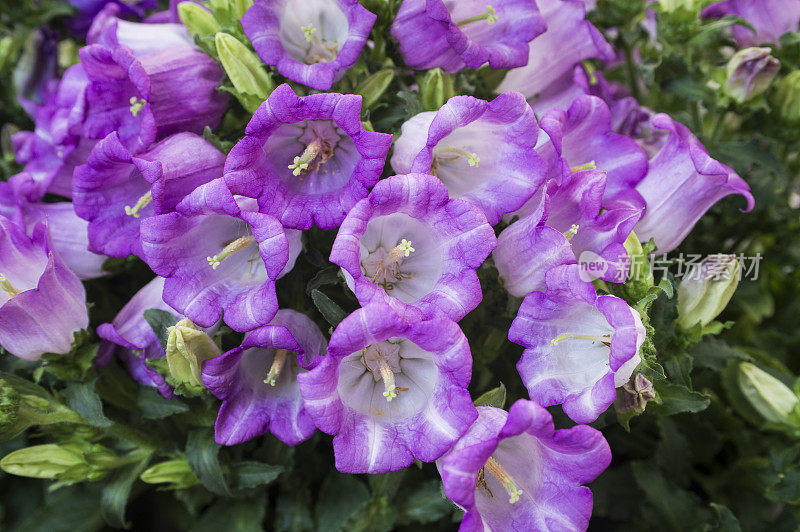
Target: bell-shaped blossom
(68,233)
(307,160)
(569,39)
(392,389)
(216,256)
(88,9)
(582,136)
(570,222)
(770,19)
(408,242)
(312,42)
(513,471)
(115,190)
(111,31)
(42,303)
(482,151)
(52,151)
(151,96)
(579,347)
(681,184)
(468,33)
(133,341)
(257,382)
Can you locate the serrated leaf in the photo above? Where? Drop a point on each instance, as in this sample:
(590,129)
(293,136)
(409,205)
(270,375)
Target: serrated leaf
(82,398)
(495,397)
(675,399)
(159,320)
(201,453)
(155,406)
(332,312)
(340,498)
(252,474)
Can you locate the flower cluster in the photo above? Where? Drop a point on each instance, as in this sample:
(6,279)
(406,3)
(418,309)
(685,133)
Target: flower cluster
(475,183)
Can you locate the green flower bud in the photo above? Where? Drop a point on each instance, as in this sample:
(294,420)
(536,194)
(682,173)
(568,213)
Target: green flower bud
(435,89)
(8,49)
(637,258)
(669,6)
(787,98)
(238,8)
(187,349)
(245,70)
(750,73)
(175,472)
(770,397)
(197,19)
(43,461)
(706,289)
(372,88)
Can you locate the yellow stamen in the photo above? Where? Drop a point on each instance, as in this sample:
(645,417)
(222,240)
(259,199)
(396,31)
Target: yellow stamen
(143,202)
(237,245)
(572,231)
(472,158)
(388,381)
(137,104)
(401,250)
(308,31)
(490,17)
(588,166)
(497,471)
(7,287)
(275,369)
(302,162)
(570,336)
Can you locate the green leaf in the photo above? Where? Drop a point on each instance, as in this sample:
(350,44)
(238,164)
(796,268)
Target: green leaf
(117,491)
(233,516)
(201,453)
(340,497)
(713,353)
(159,320)
(24,386)
(82,398)
(495,397)
(332,312)
(373,87)
(675,509)
(426,504)
(293,512)
(676,399)
(726,521)
(66,510)
(155,406)
(253,474)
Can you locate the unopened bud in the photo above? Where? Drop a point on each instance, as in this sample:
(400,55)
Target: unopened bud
(197,19)
(238,8)
(750,73)
(787,98)
(770,397)
(435,89)
(245,70)
(675,5)
(372,88)
(187,348)
(8,49)
(67,462)
(175,472)
(639,263)
(706,289)
(634,394)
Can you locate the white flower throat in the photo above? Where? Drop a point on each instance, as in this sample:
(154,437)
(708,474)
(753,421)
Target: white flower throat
(385,268)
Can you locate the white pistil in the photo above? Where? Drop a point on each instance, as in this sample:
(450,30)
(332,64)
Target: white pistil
(588,166)
(494,468)
(308,31)
(471,158)
(137,104)
(490,17)
(570,336)
(275,369)
(399,252)
(143,202)
(388,381)
(302,161)
(7,287)
(237,245)
(572,231)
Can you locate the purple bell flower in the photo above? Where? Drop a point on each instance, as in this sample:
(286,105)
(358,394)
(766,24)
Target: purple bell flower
(770,18)
(514,471)
(133,341)
(408,242)
(142,38)
(149,97)
(467,33)
(36,71)
(313,42)
(42,303)
(482,151)
(217,255)
(392,388)
(87,9)
(681,184)
(307,160)
(257,382)
(579,347)
(569,39)
(569,223)
(115,190)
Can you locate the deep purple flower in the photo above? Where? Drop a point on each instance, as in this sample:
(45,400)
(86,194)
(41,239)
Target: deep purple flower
(132,339)
(582,136)
(579,347)
(36,72)
(149,97)
(569,39)
(409,242)
(115,190)
(770,18)
(570,222)
(87,9)
(313,43)
(514,471)
(52,151)
(307,160)
(142,38)
(454,34)
(218,256)
(392,388)
(42,303)
(681,184)
(257,382)
(482,151)
(68,233)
